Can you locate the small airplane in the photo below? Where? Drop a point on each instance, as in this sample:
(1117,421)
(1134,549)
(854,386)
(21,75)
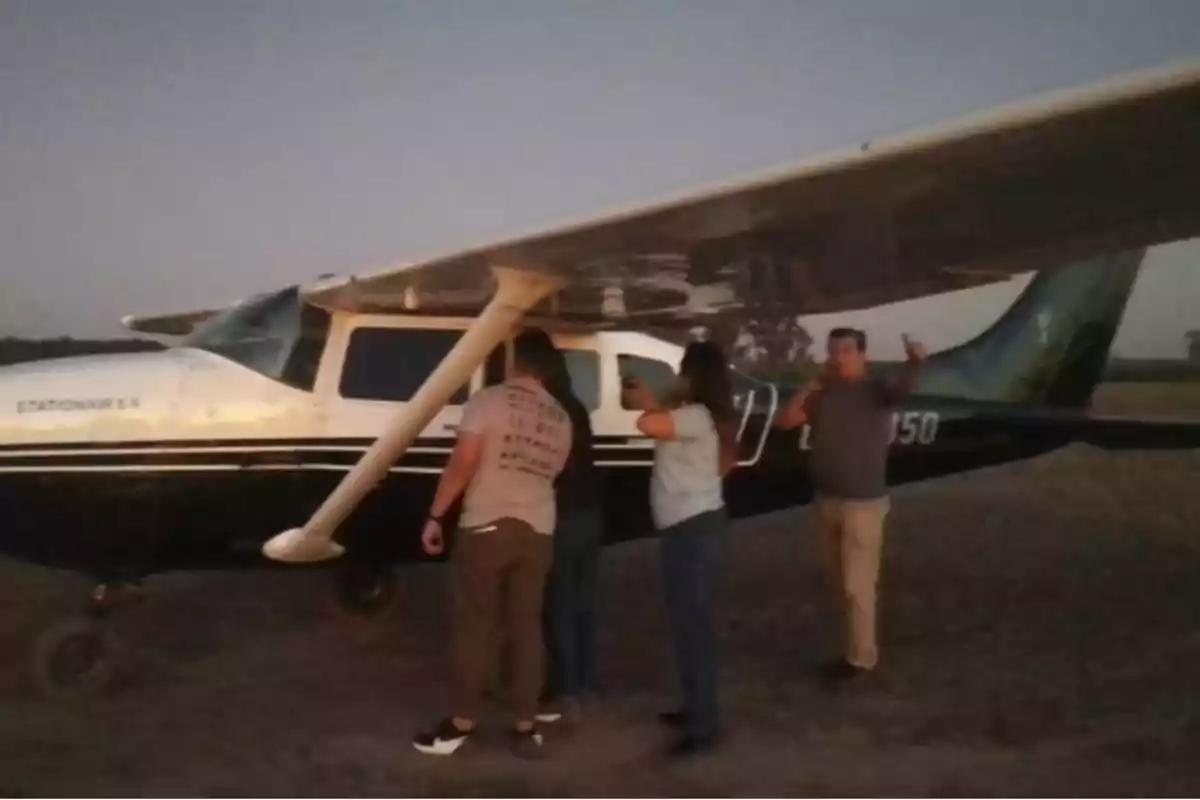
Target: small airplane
(308,424)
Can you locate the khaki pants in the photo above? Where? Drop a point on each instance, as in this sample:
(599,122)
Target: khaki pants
(851,538)
(498,576)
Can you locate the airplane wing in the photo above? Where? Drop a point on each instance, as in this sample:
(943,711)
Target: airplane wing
(179,324)
(1110,169)
(1113,167)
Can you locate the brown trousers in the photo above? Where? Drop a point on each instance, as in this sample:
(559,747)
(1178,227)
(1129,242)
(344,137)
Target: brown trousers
(498,576)
(852,545)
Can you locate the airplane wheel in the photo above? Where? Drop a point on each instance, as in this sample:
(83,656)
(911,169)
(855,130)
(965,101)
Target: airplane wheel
(367,592)
(76,658)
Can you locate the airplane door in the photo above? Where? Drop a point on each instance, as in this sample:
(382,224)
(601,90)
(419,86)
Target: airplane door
(756,403)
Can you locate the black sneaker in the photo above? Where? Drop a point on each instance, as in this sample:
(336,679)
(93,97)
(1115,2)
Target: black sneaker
(528,744)
(842,674)
(443,740)
(690,745)
(572,712)
(674,719)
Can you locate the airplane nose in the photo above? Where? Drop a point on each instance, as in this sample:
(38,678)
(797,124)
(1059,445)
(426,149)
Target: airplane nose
(58,399)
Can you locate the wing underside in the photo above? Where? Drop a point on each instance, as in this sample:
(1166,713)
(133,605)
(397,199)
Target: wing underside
(890,221)
(969,204)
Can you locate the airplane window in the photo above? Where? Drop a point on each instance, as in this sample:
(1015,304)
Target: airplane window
(584,366)
(301,368)
(277,335)
(658,376)
(392,363)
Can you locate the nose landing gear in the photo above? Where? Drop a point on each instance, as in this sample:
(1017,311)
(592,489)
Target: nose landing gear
(82,656)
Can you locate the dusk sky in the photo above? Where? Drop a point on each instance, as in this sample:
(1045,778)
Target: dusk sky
(159,156)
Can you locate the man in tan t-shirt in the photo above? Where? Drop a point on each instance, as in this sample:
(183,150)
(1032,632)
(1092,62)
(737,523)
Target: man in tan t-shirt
(513,441)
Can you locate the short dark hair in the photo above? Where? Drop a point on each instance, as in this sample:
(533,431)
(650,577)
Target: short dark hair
(859,336)
(534,352)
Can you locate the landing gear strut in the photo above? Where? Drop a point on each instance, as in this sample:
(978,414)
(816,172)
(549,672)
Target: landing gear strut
(517,291)
(82,656)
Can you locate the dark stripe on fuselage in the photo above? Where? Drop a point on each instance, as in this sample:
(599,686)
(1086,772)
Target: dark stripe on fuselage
(148,506)
(311,443)
(426,454)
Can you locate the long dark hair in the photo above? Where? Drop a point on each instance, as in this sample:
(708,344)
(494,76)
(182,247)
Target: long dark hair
(705,371)
(577,482)
(537,351)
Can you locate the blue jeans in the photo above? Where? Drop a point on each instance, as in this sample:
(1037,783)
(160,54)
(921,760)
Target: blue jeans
(570,607)
(691,552)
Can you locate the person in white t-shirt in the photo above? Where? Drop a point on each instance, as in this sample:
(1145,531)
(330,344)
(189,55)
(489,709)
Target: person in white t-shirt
(694,447)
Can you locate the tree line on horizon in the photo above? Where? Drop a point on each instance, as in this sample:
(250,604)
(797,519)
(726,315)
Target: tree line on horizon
(14,350)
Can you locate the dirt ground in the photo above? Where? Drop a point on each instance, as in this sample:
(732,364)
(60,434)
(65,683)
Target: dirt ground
(1041,637)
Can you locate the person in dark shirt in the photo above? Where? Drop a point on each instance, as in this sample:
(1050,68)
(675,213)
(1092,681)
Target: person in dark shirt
(850,417)
(570,604)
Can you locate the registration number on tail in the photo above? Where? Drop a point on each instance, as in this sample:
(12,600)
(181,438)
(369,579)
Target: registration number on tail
(908,428)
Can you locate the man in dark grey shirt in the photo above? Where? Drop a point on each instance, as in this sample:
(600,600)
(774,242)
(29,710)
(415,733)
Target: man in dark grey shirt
(850,417)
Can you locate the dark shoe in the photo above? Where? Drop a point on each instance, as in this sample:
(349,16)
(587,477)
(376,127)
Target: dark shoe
(674,719)
(690,745)
(589,699)
(842,674)
(528,744)
(572,712)
(443,740)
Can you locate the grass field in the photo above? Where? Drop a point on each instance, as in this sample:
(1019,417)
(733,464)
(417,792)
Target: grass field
(1040,638)
(1182,399)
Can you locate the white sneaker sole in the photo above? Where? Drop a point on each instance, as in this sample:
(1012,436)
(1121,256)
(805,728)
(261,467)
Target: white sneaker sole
(440,747)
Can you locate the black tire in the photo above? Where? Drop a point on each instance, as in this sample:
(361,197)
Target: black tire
(76,658)
(367,592)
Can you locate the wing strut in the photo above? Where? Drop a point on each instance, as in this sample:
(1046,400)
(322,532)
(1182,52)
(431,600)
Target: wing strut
(517,291)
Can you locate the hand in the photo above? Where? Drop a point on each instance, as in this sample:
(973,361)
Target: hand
(913,350)
(793,415)
(814,385)
(431,538)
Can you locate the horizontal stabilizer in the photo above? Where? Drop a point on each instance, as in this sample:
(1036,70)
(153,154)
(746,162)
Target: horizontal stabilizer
(1139,434)
(1107,433)
(180,324)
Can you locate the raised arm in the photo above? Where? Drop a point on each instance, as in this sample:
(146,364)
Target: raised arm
(905,380)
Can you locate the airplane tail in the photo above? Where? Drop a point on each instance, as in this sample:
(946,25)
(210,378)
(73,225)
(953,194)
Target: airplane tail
(1051,347)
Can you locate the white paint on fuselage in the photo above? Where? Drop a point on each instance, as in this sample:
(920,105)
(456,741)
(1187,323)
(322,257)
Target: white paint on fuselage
(186,394)
(62,400)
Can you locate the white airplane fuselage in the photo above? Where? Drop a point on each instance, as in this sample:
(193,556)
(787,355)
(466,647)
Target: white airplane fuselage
(195,456)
